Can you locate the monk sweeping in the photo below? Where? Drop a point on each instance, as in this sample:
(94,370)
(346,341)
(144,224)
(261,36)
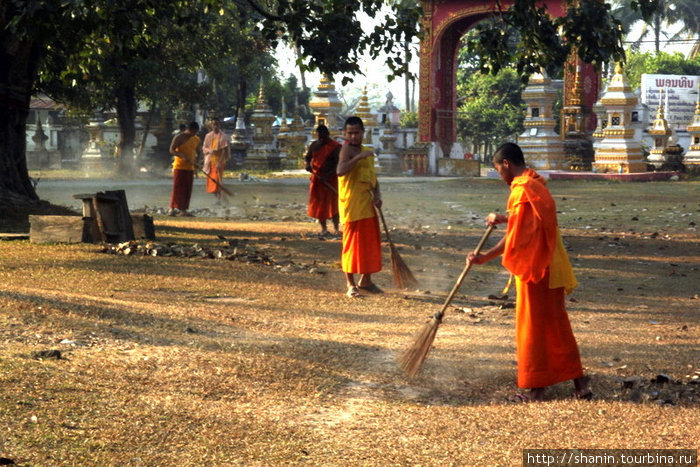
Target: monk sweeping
(185,151)
(322,161)
(534,253)
(358,193)
(216,154)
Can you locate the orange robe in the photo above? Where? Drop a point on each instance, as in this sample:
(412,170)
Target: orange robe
(323,202)
(362,252)
(215,150)
(546,348)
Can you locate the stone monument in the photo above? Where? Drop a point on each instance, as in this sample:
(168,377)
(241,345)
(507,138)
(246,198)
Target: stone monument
(660,132)
(619,151)
(541,145)
(263,153)
(578,148)
(326,105)
(692,157)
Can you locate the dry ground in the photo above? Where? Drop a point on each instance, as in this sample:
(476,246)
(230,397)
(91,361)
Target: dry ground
(190,361)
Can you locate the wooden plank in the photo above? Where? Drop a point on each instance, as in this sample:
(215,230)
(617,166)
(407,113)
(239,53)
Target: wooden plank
(143,227)
(14,236)
(57,229)
(98,221)
(124,216)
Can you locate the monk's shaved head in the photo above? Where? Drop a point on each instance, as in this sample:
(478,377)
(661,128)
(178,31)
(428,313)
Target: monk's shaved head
(509,152)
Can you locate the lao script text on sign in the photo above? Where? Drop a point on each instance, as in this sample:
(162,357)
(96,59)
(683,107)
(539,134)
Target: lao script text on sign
(681,93)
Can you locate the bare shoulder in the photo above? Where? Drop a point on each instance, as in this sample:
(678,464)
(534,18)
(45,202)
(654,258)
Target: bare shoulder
(179,139)
(315,145)
(347,151)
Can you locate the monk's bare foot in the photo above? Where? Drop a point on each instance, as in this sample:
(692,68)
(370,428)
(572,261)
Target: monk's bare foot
(537,395)
(582,391)
(533,395)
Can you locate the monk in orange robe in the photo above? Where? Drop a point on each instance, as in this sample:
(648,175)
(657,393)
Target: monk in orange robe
(216,153)
(322,161)
(358,193)
(185,150)
(534,253)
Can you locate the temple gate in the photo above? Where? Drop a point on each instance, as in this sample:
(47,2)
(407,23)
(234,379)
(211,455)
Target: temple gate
(444,23)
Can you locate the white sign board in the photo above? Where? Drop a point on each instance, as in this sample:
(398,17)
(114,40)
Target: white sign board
(682,93)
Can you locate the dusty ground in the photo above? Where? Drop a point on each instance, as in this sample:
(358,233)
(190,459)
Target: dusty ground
(192,361)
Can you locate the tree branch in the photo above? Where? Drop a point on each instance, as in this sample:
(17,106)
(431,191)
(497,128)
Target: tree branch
(259,9)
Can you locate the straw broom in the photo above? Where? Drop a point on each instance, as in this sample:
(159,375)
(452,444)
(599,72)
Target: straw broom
(223,189)
(402,275)
(412,360)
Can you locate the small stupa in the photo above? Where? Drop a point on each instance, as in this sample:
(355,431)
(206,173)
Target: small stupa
(239,142)
(326,105)
(619,151)
(541,145)
(660,132)
(263,153)
(368,119)
(692,157)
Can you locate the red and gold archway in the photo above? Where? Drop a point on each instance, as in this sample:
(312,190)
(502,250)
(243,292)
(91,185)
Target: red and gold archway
(444,23)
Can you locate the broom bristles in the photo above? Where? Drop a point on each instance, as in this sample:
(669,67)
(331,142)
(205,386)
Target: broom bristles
(412,360)
(403,277)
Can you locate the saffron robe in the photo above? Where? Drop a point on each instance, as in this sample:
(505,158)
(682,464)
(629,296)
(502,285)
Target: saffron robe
(323,202)
(182,189)
(534,252)
(215,150)
(183,174)
(362,253)
(189,150)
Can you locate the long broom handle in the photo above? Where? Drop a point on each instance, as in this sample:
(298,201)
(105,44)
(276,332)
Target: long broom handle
(328,185)
(223,188)
(386,230)
(466,269)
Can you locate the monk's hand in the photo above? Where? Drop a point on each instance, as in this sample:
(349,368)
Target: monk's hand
(495,219)
(476,258)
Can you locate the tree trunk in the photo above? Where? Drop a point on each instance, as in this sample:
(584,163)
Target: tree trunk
(139,157)
(407,81)
(126,117)
(657,32)
(302,75)
(17,75)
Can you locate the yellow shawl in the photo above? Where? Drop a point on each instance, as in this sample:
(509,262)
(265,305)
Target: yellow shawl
(355,191)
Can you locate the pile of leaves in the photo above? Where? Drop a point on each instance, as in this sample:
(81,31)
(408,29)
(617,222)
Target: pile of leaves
(235,251)
(662,389)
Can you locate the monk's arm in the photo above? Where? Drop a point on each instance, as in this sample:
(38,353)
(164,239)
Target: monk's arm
(494,252)
(495,219)
(207,145)
(377,195)
(346,160)
(313,147)
(176,142)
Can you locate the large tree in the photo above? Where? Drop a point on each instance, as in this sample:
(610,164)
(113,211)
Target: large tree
(115,68)
(659,63)
(328,34)
(489,107)
(673,19)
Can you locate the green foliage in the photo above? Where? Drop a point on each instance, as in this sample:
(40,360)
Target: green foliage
(661,63)
(331,37)
(490,106)
(409,120)
(526,37)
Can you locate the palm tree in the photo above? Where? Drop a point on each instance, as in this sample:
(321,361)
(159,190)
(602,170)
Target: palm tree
(669,13)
